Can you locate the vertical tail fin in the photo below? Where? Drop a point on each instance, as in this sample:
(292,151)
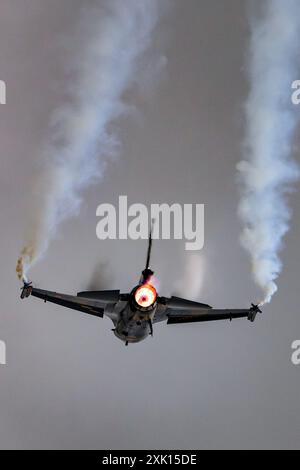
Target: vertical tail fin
(147,273)
(149,249)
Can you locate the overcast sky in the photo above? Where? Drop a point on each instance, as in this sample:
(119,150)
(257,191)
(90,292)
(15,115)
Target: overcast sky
(68,382)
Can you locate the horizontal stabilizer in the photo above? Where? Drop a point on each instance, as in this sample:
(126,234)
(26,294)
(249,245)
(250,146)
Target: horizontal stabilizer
(177,303)
(107,296)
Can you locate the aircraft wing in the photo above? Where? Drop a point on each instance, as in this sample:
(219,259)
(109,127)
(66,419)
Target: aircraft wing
(92,306)
(182,311)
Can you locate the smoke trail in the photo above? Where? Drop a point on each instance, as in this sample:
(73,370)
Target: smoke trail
(268,171)
(101,277)
(190,285)
(110,41)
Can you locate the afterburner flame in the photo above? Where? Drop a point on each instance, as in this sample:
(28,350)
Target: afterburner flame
(145,295)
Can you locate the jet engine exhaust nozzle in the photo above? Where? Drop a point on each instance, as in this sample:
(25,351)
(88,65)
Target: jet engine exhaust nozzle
(145,296)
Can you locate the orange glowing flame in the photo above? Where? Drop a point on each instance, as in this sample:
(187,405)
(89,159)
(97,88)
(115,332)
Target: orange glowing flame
(145,295)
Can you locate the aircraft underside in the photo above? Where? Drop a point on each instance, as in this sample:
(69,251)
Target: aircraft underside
(134,314)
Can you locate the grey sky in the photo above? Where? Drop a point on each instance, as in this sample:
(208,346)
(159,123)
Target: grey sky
(68,382)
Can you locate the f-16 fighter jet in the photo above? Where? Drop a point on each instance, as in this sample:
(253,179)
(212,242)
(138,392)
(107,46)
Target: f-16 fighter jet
(135,313)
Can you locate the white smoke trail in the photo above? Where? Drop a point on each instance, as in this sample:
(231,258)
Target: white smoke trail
(268,171)
(111,39)
(190,284)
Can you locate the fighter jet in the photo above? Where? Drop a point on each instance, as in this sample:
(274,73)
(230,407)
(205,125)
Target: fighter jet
(134,314)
